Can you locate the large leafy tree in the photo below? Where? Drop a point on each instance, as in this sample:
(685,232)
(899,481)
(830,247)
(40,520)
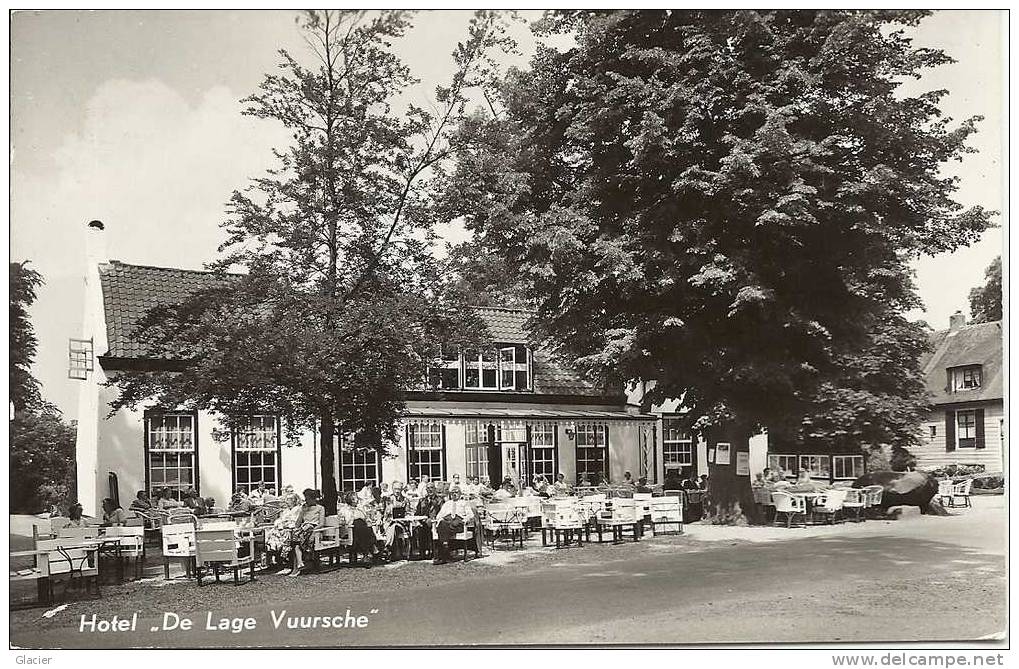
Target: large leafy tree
(24,388)
(985,300)
(341,304)
(725,204)
(42,444)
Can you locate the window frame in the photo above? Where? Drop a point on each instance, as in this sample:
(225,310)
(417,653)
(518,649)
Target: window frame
(532,460)
(277,451)
(821,458)
(411,449)
(960,382)
(150,414)
(342,441)
(597,448)
(780,459)
(476,452)
(667,442)
(971,428)
(840,460)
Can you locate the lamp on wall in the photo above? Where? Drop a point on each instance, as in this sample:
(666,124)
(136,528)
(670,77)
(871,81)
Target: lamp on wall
(571,431)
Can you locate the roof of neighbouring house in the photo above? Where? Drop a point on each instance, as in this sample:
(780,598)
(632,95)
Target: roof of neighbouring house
(977,344)
(130,291)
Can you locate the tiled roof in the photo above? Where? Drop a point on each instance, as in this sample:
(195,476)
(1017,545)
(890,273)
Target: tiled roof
(130,291)
(978,344)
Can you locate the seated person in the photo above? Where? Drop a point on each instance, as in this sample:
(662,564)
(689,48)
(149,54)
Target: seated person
(396,532)
(362,536)
(311,517)
(758,481)
(540,486)
(585,481)
(258,493)
(627,480)
(702,482)
(428,507)
(505,491)
(805,484)
(673,481)
(113,515)
(472,487)
(642,485)
(454,514)
(561,488)
(74,518)
(141,502)
(194,502)
(166,501)
(455,483)
(240,503)
(385,490)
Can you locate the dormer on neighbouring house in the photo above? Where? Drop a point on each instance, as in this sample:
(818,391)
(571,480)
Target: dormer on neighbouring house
(964,377)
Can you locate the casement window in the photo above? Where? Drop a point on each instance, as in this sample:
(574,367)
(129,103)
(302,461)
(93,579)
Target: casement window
(819,466)
(171,452)
(677,444)
(476,444)
(965,378)
(964,428)
(543,451)
(514,368)
(426,451)
(506,367)
(847,466)
(787,463)
(592,452)
(933,431)
(445,374)
(256,453)
(359,465)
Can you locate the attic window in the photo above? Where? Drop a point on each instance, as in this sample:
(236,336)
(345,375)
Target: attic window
(965,378)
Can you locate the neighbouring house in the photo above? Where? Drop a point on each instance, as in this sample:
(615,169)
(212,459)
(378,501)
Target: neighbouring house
(508,410)
(964,377)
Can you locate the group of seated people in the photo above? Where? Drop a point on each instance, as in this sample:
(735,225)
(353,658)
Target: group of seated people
(775,479)
(687,480)
(113,516)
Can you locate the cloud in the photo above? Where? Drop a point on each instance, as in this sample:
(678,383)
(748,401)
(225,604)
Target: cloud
(157,170)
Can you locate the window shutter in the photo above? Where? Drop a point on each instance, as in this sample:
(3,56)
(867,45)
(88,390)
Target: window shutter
(980,428)
(949,430)
(948,380)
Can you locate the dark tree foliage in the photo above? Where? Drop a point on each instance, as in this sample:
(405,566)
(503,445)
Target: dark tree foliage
(42,445)
(985,300)
(342,304)
(726,204)
(42,461)
(484,278)
(24,387)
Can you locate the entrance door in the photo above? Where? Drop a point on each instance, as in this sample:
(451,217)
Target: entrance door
(514,461)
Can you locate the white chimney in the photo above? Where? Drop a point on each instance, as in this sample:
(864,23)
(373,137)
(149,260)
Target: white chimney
(95,244)
(956,321)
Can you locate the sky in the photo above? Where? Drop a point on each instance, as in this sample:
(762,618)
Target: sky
(133,118)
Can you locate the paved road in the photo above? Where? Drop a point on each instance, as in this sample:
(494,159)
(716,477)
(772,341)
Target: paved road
(921,579)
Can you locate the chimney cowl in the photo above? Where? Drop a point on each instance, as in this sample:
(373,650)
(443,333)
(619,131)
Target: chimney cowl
(956,321)
(97,225)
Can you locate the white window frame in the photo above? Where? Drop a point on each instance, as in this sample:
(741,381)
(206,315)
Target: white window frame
(812,459)
(676,444)
(970,428)
(258,435)
(434,446)
(355,460)
(167,442)
(543,451)
(787,462)
(839,462)
(960,374)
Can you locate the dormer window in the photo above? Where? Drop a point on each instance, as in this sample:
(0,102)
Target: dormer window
(965,378)
(502,367)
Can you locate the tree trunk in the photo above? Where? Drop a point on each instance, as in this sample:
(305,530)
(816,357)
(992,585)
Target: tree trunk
(327,461)
(730,499)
